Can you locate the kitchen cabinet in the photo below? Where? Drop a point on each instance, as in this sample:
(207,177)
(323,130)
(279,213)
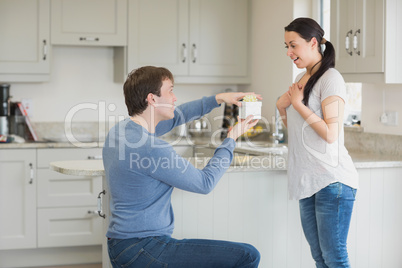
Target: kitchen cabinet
(200,41)
(67,204)
(366,37)
(24,35)
(252,205)
(44,213)
(357,32)
(18,199)
(89,23)
(393,54)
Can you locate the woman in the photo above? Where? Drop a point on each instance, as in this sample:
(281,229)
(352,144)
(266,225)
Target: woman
(320,171)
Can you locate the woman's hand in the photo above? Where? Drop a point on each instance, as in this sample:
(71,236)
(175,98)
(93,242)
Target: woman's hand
(296,92)
(284,101)
(242,126)
(234,97)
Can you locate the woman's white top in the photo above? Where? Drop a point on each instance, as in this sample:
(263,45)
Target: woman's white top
(313,163)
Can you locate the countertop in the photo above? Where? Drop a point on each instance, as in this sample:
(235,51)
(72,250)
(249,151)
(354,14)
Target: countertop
(239,164)
(361,160)
(46,144)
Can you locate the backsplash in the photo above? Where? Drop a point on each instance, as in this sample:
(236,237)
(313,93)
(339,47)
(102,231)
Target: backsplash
(373,143)
(358,142)
(81,131)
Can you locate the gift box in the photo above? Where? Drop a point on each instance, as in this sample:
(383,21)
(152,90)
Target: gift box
(248,108)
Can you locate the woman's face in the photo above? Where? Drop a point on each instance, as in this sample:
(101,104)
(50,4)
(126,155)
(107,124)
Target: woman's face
(301,52)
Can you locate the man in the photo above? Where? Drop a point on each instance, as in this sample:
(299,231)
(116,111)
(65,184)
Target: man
(141,181)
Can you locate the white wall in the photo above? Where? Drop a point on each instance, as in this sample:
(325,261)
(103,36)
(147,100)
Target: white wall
(271,69)
(372,107)
(82,75)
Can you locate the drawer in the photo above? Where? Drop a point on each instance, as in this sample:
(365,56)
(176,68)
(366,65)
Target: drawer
(59,190)
(69,227)
(45,156)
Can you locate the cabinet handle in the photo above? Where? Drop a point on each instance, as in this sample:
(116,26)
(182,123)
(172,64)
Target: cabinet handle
(195,53)
(184,52)
(31,176)
(92,157)
(44,49)
(92,39)
(99,211)
(347,42)
(355,42)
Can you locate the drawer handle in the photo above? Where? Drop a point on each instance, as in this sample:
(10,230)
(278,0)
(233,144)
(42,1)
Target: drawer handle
(195,53)
(184,52)
(347,42)
(44,50)
(92,39)
(356,42)
(100,212)
(31,175)
(92,157)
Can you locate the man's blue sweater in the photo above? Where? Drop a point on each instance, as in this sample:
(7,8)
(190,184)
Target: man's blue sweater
(142,170)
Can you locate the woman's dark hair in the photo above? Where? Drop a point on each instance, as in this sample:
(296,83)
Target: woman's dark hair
(308,28)
(140,83)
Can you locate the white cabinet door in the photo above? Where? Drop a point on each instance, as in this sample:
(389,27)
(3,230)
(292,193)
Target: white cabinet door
(24,35)
(370,46)
(342,26)
(158,34)
(17,199)
(201,41)
(218,37)
(60,190)
(393,53)
(89,22)
(67,204)
(69,227)
(357,32)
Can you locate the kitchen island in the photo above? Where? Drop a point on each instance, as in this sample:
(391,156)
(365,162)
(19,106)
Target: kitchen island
(250,204)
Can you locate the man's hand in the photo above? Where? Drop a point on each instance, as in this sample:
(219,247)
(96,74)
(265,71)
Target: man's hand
(234,97)
(242,126)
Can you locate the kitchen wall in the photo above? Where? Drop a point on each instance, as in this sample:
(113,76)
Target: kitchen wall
(84,75)
(82,83)
(271,69)
(375,99)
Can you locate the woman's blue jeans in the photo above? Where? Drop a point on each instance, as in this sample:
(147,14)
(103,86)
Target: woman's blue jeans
(164,251)
(325,218)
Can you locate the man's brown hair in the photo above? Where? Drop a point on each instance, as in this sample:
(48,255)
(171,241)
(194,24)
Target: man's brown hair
(139,83)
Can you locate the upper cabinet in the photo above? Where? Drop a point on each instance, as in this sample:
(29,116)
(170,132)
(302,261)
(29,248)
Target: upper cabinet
(393,33)
(24,45)
(200,41)
(89,22)
(365,34)
(357,32)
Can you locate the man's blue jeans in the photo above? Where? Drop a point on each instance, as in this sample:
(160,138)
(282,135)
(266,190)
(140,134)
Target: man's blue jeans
(164,251)
(325,218)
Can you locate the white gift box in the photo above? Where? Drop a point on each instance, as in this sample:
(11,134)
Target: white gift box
(248,108)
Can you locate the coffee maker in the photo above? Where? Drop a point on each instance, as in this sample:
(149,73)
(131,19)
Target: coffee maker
(4,108)
(12,120)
